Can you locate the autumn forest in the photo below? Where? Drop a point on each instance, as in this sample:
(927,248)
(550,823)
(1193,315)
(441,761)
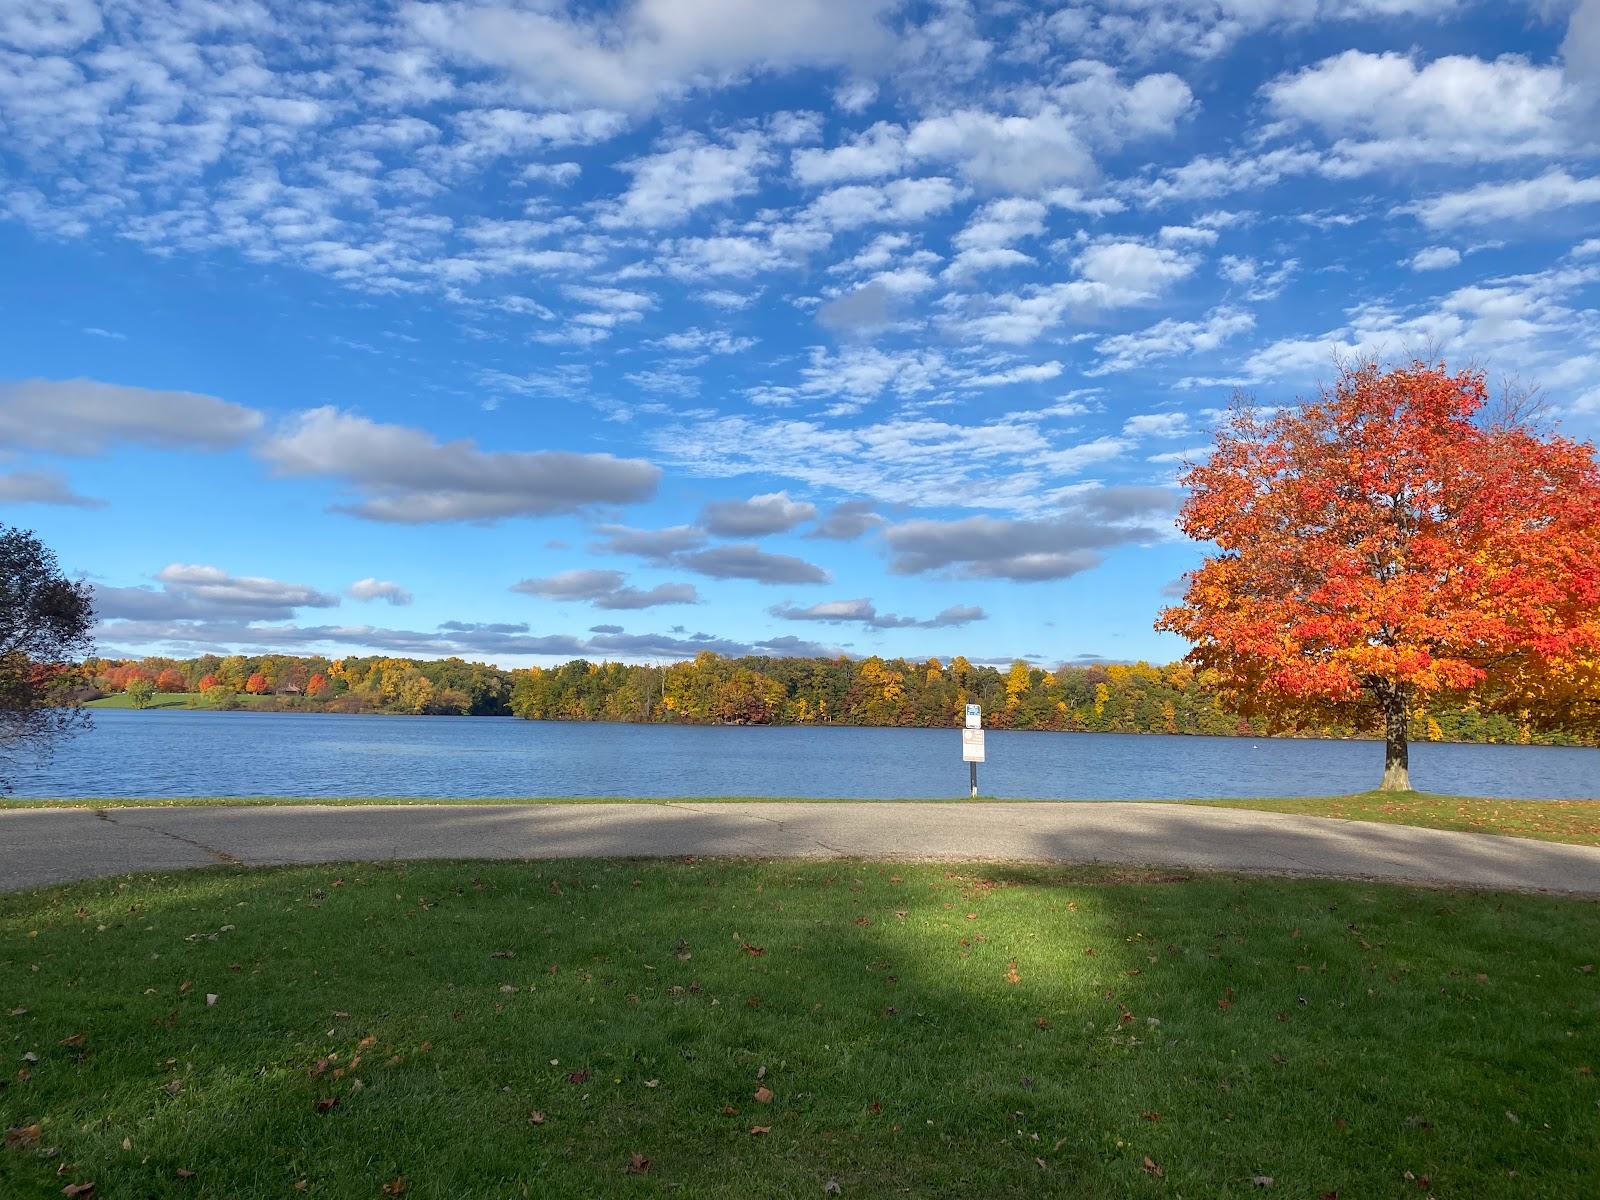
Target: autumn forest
(710,689)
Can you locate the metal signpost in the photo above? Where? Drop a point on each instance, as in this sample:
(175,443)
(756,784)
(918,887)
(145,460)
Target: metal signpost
(972,743)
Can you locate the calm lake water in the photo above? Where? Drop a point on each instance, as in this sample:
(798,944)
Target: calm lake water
(197,753)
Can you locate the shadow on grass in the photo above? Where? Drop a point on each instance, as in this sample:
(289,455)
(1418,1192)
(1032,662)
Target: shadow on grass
(924,1030)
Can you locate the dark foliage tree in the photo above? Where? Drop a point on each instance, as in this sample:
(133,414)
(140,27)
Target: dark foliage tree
(45,620)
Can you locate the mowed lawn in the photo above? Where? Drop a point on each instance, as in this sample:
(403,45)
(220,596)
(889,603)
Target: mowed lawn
(177,700)
(744,1030)
(1575,821)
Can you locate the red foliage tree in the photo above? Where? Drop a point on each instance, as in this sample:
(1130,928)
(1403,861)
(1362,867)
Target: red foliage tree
(1384,543)
(206,681)
(171,680)
(317,685)
(257,684)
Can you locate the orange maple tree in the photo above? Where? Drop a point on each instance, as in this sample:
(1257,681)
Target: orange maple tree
(1389,541)
(257,684)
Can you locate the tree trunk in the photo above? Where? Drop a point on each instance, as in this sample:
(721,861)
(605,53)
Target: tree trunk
(1396,748)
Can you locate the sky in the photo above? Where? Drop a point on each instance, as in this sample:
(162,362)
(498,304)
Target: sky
(527,330)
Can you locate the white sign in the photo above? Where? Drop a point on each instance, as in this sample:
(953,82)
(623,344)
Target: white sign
(972,745)
(974,717)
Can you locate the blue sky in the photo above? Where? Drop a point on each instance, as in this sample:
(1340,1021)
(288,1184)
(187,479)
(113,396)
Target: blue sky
(531,330)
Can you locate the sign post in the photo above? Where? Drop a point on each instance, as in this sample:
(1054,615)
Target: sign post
(972,744)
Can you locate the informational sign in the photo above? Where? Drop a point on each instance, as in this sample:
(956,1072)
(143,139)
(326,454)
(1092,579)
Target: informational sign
(974,717)
(972,745)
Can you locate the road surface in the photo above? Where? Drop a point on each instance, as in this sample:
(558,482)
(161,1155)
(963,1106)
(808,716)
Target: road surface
(46,846)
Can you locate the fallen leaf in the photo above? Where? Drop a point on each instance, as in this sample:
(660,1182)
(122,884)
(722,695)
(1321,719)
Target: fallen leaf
(728,1110)
(1011,973)
(758,1130)
(650,1083)
(536,1117)
(395,1186)
(576,1077)
(23,1136)
(638,1164)
(76,1039)
(1149,1114)
(78,1189)
(211,999)
(185,1173)
(1152,1167)
(504,954)
(1261,1181)
(763,1095)
(327,1103)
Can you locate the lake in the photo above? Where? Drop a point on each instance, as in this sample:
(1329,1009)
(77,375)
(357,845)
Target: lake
(198,753)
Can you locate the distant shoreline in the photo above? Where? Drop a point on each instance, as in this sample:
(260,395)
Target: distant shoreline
(256,708)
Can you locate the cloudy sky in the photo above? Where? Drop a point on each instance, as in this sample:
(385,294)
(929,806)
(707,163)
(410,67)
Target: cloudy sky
(525,329)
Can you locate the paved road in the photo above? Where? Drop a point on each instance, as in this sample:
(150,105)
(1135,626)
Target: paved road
(44,846)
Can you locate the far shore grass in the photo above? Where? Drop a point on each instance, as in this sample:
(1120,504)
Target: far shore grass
(735,1030)
(1573,821)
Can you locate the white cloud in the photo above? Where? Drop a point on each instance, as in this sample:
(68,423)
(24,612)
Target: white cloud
(1254,279)
(1516,201)
(41,487)
(1167,424)
(402,474)
(773,512)
(561,174)
(1012,464)
(1205,29)
(747,561)
(1434,258)
(668,187)
(900,202)
(856,95)
(84,416)
(195,593)
(1113,273)
(1170,337)
(370,589)
(604,589)
(1032,551)
(650,48)
(1385,110)
(866,614)
(876,153)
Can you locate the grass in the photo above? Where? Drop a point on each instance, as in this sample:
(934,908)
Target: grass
(177,700)
(923,1031)
(1574,821)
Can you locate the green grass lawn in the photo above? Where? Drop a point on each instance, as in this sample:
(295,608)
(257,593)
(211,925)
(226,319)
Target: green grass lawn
(751,1030)
(178,700)
(1576,821)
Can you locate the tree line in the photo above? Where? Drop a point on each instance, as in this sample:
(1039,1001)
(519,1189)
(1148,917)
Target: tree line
(1177,698)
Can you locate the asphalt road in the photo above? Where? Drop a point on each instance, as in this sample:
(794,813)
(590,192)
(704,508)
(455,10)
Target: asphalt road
(45,846)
